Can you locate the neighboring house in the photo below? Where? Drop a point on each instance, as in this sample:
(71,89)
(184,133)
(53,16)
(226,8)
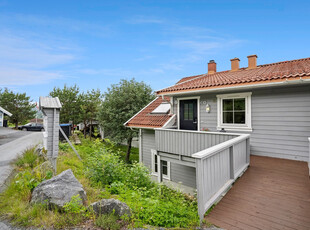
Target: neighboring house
(2,113)
(197,131)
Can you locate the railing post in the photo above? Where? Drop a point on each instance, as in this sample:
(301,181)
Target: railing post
(159,169)
(231,162)
(200,192)
(248,150)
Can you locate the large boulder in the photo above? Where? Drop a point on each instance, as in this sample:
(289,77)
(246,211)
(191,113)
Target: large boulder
(109,206)
(59,190)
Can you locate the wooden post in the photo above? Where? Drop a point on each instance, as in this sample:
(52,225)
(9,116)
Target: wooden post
(248,150)
(200,192)
(231,162)
(159,169)
(140,146)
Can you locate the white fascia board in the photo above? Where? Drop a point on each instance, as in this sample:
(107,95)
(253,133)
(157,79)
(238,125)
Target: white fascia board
(5,111)
(240,87)
(139,111)
(168,122)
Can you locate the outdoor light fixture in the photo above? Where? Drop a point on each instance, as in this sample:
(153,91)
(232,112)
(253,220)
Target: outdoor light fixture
(208,108)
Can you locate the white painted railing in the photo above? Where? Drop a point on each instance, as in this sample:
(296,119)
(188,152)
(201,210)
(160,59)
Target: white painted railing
(309,157)
(218,167)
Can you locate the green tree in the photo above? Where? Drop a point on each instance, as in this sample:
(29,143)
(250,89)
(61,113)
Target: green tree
(19,104)
(121,102)
(70,100)
(89,103)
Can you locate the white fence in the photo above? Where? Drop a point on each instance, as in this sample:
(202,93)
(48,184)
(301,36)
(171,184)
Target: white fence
(218,167)
(309,157)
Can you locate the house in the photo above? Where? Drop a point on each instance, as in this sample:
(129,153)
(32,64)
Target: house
(2,113)
(201,131)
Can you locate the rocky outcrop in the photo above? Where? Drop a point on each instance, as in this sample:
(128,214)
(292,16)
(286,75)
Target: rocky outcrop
(109,206)
(59,190)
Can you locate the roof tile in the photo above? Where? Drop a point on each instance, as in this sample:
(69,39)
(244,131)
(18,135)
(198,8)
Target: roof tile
(268,72)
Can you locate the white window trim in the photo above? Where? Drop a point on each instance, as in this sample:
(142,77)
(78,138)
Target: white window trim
(248,115)
(167,177)
(198,110)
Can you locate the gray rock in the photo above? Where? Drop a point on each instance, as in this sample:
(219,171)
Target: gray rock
(59,190)
(106,206)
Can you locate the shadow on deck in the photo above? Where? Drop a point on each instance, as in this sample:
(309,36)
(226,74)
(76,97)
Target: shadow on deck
(272,194)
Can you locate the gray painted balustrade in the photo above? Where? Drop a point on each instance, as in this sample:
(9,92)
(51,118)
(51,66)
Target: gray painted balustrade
(219,159)
(186,143)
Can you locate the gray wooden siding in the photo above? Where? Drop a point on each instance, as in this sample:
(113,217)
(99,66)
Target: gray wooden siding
(50,128)
(178,173)
(187,143)
(280,121)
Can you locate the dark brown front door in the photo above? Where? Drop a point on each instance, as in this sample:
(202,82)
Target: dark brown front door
(188,114)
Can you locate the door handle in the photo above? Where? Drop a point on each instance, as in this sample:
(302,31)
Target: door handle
(195,122)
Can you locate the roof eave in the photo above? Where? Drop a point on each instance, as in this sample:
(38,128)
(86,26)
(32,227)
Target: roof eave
(299,81)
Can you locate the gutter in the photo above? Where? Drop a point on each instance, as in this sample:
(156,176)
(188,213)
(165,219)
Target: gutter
(262,85)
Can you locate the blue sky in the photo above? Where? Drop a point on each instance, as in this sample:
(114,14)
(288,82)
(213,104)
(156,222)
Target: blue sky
(96,43)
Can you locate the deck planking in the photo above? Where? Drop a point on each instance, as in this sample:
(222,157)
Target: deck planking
(272,194)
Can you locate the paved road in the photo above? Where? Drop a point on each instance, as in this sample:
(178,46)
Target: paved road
(12,144)
(7,135)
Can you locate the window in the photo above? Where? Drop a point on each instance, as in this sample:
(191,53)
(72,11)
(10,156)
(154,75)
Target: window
(188,111)
(162,108)
(165,166)
(234,111)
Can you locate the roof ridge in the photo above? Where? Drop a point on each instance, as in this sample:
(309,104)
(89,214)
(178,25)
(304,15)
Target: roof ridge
(242,68)
(283,62)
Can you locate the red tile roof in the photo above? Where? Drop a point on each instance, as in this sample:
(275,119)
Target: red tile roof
(145,119)
(262,74)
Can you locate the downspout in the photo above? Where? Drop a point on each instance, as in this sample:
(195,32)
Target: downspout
(171,104)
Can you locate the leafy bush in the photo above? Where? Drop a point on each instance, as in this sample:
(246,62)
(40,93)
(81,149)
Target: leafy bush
(151,203)
(74,213)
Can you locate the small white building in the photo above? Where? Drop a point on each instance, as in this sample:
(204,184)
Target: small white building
(2,112)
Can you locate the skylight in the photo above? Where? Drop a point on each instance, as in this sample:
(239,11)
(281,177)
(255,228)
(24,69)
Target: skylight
(162,108)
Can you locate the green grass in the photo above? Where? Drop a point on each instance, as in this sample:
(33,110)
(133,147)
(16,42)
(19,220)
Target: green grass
(103,174)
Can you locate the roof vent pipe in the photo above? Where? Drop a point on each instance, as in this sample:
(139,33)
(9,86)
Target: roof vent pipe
(235,64)
(252,61)
(211,67)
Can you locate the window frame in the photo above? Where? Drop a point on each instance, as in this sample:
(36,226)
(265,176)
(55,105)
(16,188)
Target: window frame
(154,153)
(234,127)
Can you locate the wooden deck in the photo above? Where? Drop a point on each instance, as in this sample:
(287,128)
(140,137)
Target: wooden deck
(272,194)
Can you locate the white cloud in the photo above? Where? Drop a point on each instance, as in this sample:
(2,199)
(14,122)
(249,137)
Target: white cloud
(27,60)
(18,76)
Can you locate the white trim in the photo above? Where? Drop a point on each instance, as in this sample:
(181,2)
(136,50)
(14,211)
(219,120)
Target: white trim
(198,109)
(153,153)
(248,117)
(140,146)
(219,147)
(168,122)
(140,111)
(239,87)
(5,111)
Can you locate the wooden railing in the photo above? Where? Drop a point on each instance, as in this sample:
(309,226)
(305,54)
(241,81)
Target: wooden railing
(186,143)
(218,167)
(309,157)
